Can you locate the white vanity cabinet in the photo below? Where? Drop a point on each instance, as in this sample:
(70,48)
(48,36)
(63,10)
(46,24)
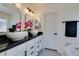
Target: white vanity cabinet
(34,46)
(2,54)
(17,51)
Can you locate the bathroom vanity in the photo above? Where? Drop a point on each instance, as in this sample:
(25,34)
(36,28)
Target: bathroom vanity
(26,47)
(20,46)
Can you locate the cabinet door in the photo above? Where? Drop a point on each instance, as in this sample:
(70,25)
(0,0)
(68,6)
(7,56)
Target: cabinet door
(16,50)
(31,47)
(38,44)
(2,54)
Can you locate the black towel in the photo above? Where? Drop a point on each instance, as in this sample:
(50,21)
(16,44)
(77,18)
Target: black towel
(71,29)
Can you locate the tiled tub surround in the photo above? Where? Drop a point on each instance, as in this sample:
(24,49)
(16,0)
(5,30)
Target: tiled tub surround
(12,44)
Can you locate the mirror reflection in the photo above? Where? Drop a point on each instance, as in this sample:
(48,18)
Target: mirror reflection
(9,13)
(19,18)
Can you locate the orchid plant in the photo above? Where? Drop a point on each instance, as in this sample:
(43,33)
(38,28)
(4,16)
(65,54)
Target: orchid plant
(27,25)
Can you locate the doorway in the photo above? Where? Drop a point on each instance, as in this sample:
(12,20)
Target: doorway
(50,30)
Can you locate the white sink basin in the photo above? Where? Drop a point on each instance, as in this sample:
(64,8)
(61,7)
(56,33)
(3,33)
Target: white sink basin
(34,32)
(15,36)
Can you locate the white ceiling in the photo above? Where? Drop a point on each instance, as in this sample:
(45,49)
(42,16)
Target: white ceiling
(36,7)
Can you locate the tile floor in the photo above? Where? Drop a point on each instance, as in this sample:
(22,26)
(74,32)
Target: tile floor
(47,52)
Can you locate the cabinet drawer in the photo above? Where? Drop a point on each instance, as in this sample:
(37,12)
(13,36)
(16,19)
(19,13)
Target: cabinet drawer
(38,52)
(30,49)
(39,40)
(31,42)
(16,50)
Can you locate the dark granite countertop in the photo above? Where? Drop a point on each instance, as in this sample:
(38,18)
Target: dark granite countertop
(15,43)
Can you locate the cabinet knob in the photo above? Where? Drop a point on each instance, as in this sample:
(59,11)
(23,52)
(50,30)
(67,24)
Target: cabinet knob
(25,53)
(55,33)
(37,42)
(40,40)
(37,51)
(31,47)
(37,46)
(77,48)
(32,52)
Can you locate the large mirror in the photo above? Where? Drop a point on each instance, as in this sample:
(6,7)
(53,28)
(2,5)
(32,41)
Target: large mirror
(37,23)
(10,13)
(3,25)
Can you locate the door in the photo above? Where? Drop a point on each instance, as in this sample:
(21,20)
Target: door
(50,30)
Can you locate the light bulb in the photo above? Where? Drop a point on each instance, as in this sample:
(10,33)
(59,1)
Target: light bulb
(18,5)
(26,11)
